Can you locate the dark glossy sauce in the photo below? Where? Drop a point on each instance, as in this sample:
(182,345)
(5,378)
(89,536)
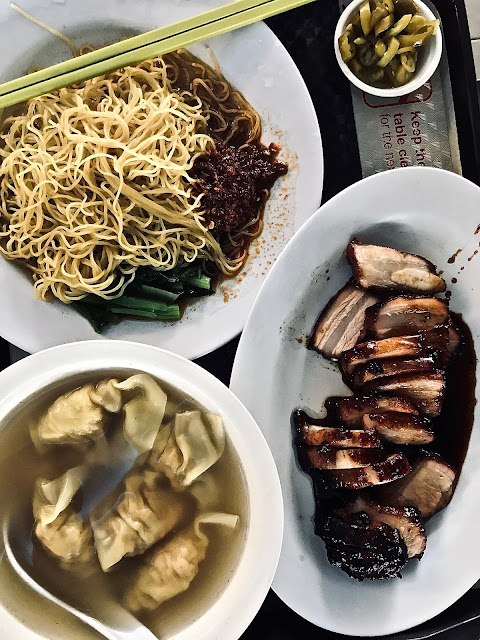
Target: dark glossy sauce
(454,426)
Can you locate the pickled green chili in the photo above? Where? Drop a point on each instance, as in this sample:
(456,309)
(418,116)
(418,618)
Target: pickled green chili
(382,41)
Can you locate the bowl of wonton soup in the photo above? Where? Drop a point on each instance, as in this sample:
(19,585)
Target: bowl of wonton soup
(139,474)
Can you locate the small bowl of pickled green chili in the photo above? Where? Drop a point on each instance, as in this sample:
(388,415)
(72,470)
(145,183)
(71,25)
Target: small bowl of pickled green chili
(388,48)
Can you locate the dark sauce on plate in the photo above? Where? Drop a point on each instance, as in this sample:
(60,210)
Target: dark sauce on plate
(454,425)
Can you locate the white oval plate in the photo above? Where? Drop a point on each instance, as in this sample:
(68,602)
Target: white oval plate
(23,615)
(255,61)
(429,212)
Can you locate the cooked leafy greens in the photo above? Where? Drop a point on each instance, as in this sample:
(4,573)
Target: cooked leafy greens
(153,294)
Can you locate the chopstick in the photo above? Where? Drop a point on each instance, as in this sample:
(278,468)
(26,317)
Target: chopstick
(138,48)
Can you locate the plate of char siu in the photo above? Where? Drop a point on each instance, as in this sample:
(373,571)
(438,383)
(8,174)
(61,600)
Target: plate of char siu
(363,343)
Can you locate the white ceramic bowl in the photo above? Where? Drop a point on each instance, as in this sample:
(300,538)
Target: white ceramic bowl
(428,57)
(236,606)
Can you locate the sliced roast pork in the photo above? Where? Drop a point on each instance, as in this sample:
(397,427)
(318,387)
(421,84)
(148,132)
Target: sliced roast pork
(339,438)
(370,499)
(399,428)
(362,548)
(354,532)
(405,316)
(341,323)
(364,564)
(428,488)
(379,369)
(398,347)
(393,468)
(312,432)
(377,267)
(406,519)
(427,391)
(351,409)
(327,457)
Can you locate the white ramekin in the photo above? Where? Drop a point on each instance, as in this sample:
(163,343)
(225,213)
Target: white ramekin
(428,58)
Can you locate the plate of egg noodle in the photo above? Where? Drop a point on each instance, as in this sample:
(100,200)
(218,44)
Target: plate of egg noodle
(110,218)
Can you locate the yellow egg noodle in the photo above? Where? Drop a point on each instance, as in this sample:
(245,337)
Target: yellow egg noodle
(94,183)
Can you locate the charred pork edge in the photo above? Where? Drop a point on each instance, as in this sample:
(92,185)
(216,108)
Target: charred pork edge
(375,511)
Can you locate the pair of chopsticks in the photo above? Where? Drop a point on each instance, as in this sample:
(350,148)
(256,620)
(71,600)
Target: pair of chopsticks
(139,48)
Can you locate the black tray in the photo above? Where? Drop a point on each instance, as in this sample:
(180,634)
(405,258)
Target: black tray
(307,33)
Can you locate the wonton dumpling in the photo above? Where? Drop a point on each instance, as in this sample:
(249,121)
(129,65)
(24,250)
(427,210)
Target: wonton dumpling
(68,538)
(80,415)
(143,515)
(83,414)
(195,443)
(144,412)
(58,527)
(168,569)
(108,395)
(73,417)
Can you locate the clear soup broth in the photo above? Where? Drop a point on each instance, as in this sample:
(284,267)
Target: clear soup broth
(21,464)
